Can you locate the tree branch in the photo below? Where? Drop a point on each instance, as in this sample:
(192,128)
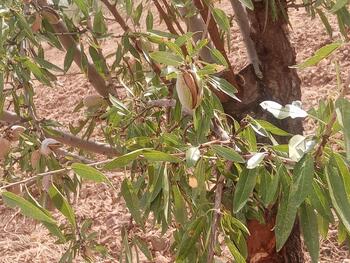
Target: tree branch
(243,24)
(69,42)
(65,138)
(40,175)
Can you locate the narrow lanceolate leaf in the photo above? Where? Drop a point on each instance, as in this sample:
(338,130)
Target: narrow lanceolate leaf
(320,54)
(302,180)
(221,19)
(309,228)
(338,5)
(247,3)
(68,59)
(320,202)
(292,198)
(99,25)
(234,251)
(224,86)
(131,200)
(244,188)
(62,204)
(272,128)
(192,156)
(255,160)
(220,59)
(179,206)
(83,6)
(123,160)
(337,193)
(228,153)
(166,58)
(142,245)
(343,115)
(284,220)
(89,173)
(27,208)
(157,156)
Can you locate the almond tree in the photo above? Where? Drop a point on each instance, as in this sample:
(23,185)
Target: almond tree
(214,153)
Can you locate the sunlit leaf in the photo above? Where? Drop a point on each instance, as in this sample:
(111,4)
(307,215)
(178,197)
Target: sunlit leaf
(62,204)
(320,54)
(255,160)
(192,156)
(166,58)
(27,208)
(228,153)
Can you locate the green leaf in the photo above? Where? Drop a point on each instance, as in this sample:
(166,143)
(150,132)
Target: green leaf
(131,200)
(320,202)
(325,21)
(89,173)
(244,187)
(300,188)
(149,21)
(128,7)
(98,60)
(62,204)
(228,153)
(142,245)
(83,6)
(23,24)
(46,64)
(284,220)
(157,156)
(190,238)
(320,54)
(309,228)
(223,85)
(343,170)
(338,5)
(68,59)
(123,160)
(272,128)
(192,156)
(179,206)
(343,115)
(221,19)
(99,25)
(303,174)
(338,194)
(166,58)
(27,208)
(218,57)
(248,3)
(234,251)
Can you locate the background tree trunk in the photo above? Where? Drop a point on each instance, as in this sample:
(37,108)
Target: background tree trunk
(281,84)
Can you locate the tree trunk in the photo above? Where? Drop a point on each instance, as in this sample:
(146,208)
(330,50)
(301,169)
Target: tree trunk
(281,84)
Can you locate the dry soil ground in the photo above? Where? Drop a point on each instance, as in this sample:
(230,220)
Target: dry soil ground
(21,240)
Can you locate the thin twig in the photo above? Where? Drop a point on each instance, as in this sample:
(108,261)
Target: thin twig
(329,127)
(40,175)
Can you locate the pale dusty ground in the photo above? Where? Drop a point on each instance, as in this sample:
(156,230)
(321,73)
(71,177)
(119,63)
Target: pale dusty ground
(23,241)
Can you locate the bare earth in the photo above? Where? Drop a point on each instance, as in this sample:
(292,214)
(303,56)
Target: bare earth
(21,240)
